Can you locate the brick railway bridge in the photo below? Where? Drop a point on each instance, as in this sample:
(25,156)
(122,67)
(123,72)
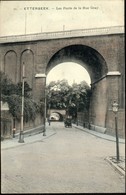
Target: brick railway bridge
(100,51)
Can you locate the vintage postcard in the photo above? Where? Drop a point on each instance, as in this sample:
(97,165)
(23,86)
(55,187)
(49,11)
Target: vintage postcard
(62,72)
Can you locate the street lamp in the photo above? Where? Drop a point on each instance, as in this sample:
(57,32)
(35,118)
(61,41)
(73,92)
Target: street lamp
(44,132)
(49,114)
(115,110)
(77,113)
(78,96)
(21,135)
(14,128)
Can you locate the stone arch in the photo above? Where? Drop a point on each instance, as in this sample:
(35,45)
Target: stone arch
(10,64)
(27,57)
(60,115)
(95,64)
(84,55)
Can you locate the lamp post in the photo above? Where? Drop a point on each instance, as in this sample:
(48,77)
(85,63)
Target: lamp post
(44,132)
(14,129)
(77,113)
(115,110)
(78,96)
(21,135)
(49,114)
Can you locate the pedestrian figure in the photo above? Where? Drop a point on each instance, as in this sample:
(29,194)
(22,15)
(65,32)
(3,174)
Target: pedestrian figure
(14,129)
(49,120)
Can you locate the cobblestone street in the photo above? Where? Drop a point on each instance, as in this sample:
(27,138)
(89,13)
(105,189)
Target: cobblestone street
(69,161)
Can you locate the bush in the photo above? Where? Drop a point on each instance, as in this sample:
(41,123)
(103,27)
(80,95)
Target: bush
(11,93)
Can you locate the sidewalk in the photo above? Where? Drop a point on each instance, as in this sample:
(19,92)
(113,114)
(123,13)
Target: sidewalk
(98,134)
(119,166)
(11,143)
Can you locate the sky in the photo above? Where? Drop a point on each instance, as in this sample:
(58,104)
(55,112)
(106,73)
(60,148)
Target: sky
(26,17)
(79,73)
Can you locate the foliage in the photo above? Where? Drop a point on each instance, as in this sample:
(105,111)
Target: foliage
(14,103)
(57,93)
(11,93)
(61,95)
(31,108)
(27,89)
(6,85)
(81,95)
(9,88)
(41,107)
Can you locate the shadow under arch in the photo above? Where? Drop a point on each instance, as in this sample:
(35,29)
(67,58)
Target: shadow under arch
(60,115)
(84,55)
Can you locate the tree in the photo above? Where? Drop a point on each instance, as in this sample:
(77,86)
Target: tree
(11,93)
(6,85)
(57,93)
(81,95)
(61,95)
(27,89)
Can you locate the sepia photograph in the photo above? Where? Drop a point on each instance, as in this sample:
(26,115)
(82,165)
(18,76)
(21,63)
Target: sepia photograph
(62,81)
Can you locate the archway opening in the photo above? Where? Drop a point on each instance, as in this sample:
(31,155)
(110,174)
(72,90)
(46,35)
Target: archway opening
(95,65)
(56,116)
(72,72)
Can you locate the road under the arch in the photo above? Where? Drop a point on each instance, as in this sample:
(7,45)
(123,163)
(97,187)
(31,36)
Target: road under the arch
(70,161)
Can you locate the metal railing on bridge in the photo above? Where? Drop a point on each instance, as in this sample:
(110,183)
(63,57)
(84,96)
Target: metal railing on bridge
(63,34)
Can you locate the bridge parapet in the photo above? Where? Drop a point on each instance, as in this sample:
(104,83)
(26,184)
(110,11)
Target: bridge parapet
(63,34)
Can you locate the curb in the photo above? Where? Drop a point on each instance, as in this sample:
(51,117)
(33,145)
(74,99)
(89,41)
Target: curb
(97,134)
(115,166)
(33,141)
(30,132)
